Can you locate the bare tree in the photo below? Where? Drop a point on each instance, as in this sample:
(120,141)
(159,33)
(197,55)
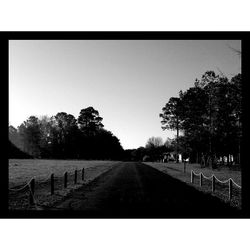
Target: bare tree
(154,142)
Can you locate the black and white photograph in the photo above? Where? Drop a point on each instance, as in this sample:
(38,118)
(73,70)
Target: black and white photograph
(124,125)
(125,128)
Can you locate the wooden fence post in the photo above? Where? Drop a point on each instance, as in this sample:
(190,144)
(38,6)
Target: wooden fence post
(75,179)
(200,179)
(192,177)
(83,174)
(230,189)
(52,184)
(32,191)
(213,183)
(65,179)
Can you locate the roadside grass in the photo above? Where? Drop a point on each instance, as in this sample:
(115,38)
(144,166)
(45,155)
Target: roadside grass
(21,171)
(176,170)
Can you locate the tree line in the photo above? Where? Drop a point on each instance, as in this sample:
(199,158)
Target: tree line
(207,118)
(209,115)
(154,150)
(64,137)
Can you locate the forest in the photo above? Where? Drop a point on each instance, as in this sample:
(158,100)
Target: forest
(64,137)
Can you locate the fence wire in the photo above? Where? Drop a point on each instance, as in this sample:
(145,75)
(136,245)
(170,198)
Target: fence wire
(22,188)
(19,197)
(222,189)
(220,181)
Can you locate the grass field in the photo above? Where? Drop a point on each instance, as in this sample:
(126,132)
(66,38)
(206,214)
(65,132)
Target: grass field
(21,171)
(176,170)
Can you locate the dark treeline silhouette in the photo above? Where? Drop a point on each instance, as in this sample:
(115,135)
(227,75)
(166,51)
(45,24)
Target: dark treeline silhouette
(64,137)
(210,116)
(208,122)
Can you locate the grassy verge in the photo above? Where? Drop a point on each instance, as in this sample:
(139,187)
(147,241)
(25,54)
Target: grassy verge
(22,170)
(176,170)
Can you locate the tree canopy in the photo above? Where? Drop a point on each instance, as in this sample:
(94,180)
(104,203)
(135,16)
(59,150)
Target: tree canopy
(209,114)
(64,137)
(89,120)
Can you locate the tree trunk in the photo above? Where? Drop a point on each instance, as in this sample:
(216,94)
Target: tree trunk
(177,144)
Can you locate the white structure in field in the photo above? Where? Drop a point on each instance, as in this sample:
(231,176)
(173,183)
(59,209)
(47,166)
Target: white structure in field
(171,157)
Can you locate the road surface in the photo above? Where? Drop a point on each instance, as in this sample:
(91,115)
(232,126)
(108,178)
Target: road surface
(136,190)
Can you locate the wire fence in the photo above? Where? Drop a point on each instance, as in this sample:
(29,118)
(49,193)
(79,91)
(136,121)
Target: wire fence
(218,184)
(29,195)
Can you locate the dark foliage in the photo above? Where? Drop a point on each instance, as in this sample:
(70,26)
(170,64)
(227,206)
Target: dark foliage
(209,115)
(65,137)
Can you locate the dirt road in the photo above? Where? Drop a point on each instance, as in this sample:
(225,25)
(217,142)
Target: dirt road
(135,190)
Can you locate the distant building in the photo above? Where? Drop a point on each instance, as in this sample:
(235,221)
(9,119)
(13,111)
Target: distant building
(171,156)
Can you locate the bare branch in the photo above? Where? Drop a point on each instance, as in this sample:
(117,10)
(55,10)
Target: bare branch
(238,52)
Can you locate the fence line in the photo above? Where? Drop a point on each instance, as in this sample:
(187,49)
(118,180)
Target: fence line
(22,188)
(213,177)
(237,185)
(208,178)
(31,185)
(223,182)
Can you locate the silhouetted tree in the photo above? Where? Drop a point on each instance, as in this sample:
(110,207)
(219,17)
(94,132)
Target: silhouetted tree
(89,121)
(210,117)
(60,137)
(195,122)
(155,148)
(107,146)
(171,117)
(236,81)
(66,133)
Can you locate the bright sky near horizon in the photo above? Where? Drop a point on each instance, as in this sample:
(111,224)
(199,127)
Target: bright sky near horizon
(127,81)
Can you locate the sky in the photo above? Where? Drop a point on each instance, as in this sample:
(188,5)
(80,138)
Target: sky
(127,81)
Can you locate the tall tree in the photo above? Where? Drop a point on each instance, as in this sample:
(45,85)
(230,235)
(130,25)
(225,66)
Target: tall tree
(89,121)
(228,120)
(209,82)
(66,134)
(211,116)
(236,82)
(48,136)
(171,118)
(194,117)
